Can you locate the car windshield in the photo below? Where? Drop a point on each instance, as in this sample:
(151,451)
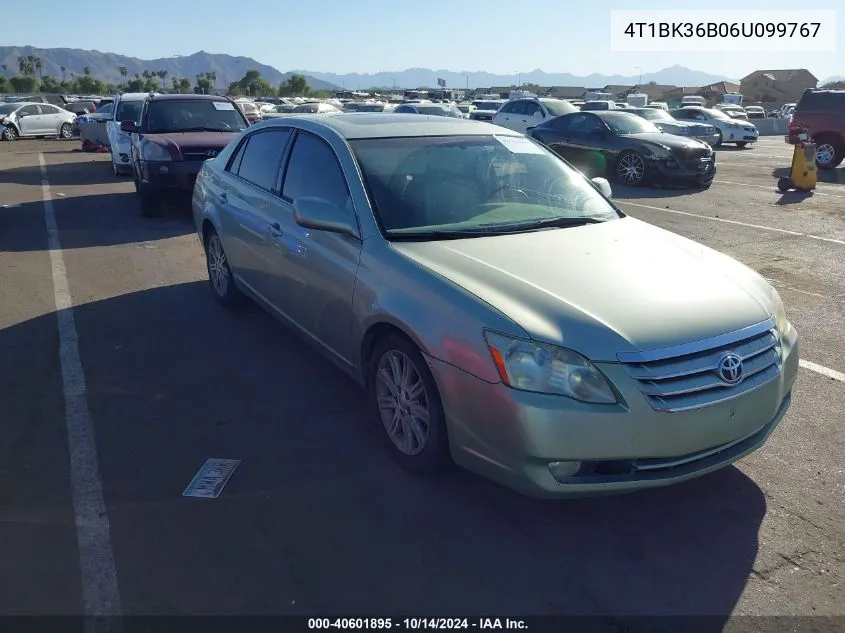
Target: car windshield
(189,115)
(558,107)
(8,108)
(487,105)
(630,124)
(654,114)
(438,110)
(716,114)
(441,187)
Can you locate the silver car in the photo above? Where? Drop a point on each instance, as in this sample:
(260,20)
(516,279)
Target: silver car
(24,119)
(496,305)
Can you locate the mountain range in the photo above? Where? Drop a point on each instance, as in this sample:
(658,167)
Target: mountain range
(106,66)
(427,78)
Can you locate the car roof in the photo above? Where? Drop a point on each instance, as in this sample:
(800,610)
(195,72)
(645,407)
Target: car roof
(190,97)
(374,125)
(609,114)
(133,96)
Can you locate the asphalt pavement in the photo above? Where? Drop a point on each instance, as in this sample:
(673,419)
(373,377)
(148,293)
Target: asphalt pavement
(317,519)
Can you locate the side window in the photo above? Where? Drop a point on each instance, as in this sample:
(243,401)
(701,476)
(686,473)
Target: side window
(49,109)
(561,123)
(237,157)
(404,110)
(29,110)
(313,171)
(530,107)
(583,124)
(261,158)
(509,108)
(685,115)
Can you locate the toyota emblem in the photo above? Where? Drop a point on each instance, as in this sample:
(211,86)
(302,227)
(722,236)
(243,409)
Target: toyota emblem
(729,368)
(211,153)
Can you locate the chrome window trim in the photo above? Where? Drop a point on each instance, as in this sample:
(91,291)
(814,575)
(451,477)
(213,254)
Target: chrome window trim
(694,347)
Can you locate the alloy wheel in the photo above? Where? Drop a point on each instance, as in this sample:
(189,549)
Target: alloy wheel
(825,153)
(403,402)
(218,267)
(631,168)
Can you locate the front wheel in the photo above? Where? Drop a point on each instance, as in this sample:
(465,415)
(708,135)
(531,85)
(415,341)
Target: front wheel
(66,131)
(10,133)
(829,154)
(718,142)
(408,405)
(631,169)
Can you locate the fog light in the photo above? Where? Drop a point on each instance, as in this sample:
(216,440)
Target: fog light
(124,158)
(562,471)
(163,169)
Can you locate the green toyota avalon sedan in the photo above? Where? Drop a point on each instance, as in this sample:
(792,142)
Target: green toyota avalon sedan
(500,311)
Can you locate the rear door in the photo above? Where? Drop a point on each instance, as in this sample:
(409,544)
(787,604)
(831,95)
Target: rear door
(52,118)
(247,198)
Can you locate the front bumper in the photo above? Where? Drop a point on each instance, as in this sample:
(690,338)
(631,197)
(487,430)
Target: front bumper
(674,171)
(740,136)
(711,139)
(513,436)
(170,176)
(122,155)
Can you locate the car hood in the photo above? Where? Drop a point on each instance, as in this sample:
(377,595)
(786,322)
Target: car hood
(603,288)
(192,140)
(667,140)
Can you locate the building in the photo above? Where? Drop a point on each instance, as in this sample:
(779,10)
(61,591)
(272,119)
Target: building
(619,92)
(572,93)
(774,87)
(675,95)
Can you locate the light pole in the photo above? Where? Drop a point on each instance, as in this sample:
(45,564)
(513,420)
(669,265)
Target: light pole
(639,70)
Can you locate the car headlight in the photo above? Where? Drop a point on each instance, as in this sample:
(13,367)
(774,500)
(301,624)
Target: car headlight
(544,368)
(154,151)
(660,151)
(779,313)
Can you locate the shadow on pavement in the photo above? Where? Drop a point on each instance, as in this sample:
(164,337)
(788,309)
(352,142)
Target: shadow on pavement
(81,172)
(622,192)
(832,176)
(317,519)
(93,220)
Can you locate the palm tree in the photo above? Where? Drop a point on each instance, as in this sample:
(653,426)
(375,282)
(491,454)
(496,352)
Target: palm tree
(36,65)
(124,71)
(146,74)
(162,74)
(5,69)
(24,65)
(87,70)
(213,76)
(64,72)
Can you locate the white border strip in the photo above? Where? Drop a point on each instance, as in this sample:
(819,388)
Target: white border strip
(726,221)
(824,371)
(93,533)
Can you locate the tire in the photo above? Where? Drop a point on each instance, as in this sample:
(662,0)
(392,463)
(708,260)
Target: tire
(136,181)
(829,153)
(66,131)
(400,384)
(718,142)
(631,169)
(10,133)
(784,185)
(220,276)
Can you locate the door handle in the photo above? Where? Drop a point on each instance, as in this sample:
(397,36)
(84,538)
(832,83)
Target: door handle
(224,199)
(275,229)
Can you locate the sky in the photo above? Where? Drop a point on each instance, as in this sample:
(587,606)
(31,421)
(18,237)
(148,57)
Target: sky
(366,36)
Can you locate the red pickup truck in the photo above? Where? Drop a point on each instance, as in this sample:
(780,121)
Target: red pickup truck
(821,113)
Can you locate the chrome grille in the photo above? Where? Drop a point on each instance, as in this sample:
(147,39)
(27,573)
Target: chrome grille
(686,377)
(200,154)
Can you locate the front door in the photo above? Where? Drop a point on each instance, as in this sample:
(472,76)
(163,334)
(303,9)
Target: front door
(29,121)
(316,270)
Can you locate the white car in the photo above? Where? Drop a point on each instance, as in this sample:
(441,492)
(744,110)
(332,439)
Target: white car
(521,114)
(21,118)
(127,107)
(731,130)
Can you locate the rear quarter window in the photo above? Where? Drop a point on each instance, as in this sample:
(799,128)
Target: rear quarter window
(822,102)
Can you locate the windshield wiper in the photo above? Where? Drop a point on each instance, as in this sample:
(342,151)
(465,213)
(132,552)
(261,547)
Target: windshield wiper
(439,234)
(562,222)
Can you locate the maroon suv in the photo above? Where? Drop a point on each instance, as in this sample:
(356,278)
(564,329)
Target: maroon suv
(821,113)
(175,135)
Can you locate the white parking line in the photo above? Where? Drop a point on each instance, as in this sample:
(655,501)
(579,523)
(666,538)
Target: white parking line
(726,221)
(772,188)
(824,371)
(100,592)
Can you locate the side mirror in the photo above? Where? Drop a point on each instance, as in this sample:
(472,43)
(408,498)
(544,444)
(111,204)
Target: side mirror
(322,215)
(130,127)
(604,186)
(22,114)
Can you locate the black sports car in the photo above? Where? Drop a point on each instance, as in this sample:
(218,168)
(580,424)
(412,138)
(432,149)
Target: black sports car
(626,148)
